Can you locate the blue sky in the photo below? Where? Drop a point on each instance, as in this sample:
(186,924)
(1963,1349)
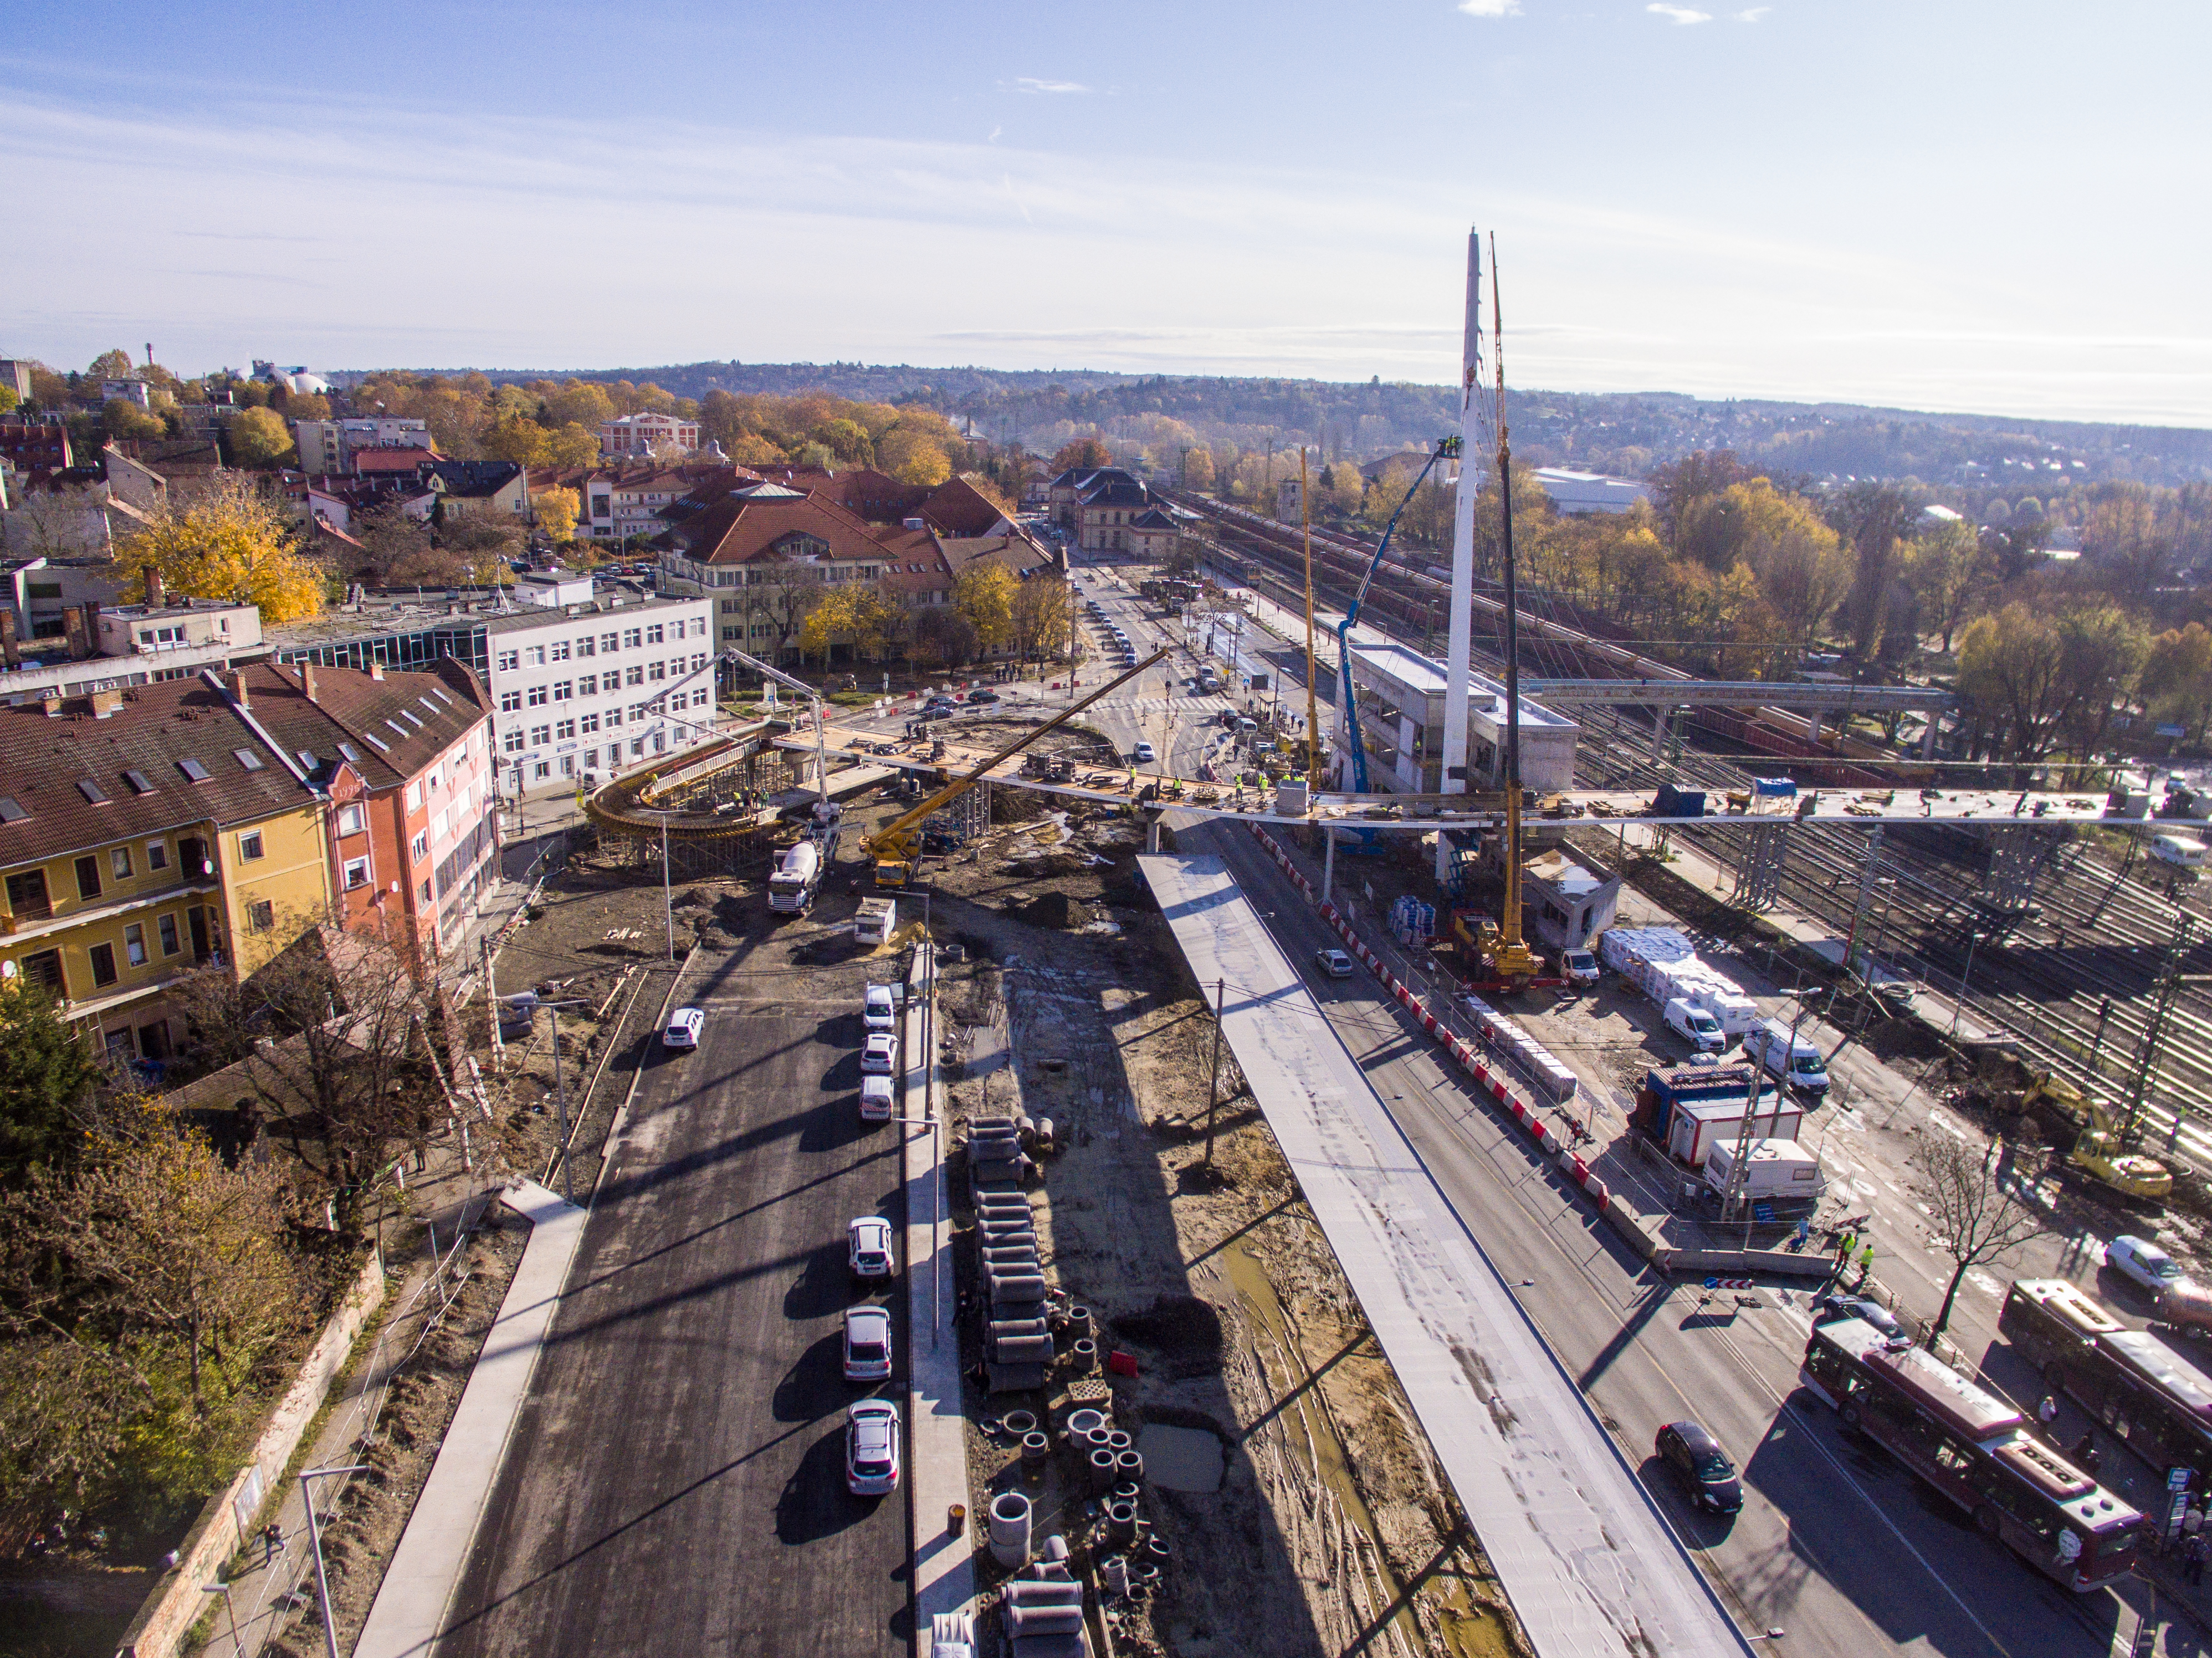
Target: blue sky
(1961,205)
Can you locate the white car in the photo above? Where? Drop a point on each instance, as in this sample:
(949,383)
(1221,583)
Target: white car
(2142,1262)
(683,1028)
(872,1447)
(879,1008)
(867,1343)
(880,1054)
(1144,751)
(1578,967)
(1335,962)
(868,1246)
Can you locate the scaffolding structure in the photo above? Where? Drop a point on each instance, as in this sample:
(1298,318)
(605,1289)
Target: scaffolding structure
(1759,870)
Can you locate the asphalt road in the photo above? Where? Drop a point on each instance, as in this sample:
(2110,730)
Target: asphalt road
(1837,1547)
(676,1482)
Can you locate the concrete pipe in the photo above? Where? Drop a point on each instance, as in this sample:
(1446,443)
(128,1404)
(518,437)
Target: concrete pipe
(1081,1422)
(1100,1466)
(1120,1524)
(1036,1449)
(1016,1287)
(1027,1349)
(1078,1321)
(1127,1491)
(1118,1441)
(1010,1529)
(1127,1465)
(1023,1622)
(1015,1423)
(1084,1353)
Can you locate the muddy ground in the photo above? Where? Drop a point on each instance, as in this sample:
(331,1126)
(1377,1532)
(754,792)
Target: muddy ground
(1072,1004)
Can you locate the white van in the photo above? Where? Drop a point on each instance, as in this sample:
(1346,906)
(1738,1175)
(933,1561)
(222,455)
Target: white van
(2178,851)
(1798,1062)
(876,1101)
(1694,1026)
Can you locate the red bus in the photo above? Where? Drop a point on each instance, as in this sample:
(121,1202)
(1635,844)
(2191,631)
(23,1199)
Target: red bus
(2154,1400)
(1975,1449)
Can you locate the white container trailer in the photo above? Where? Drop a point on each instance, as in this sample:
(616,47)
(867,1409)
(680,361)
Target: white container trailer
(1697,1126)
(1782,1173)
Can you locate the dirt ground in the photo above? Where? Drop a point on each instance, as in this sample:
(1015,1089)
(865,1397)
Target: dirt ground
(1219,1284)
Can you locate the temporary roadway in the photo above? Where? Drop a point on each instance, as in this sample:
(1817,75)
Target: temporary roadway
(1591,1567)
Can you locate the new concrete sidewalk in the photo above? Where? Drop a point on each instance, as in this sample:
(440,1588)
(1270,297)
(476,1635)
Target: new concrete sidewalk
(411,1607)
(937,1474)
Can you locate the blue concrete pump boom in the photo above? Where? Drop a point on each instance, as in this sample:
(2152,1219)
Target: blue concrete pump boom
(1447,448)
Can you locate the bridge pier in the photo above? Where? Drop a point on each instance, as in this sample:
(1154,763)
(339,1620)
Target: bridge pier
(1758,874)
(2011,884)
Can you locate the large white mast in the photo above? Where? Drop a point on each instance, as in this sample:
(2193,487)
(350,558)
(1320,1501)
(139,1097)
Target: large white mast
(1459,649)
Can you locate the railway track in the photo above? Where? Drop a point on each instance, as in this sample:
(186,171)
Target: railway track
(2072,977)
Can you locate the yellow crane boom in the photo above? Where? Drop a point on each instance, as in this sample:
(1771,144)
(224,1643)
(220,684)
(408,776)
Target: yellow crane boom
(897,844)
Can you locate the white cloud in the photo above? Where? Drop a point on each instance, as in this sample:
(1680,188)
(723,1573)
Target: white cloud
(1491,8)
(1030,84)
(1753,15)
(1681,15)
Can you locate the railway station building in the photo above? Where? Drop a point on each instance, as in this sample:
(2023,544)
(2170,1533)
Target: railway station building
(1401,696)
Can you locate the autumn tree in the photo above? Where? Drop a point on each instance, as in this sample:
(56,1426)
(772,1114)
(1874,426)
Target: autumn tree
(572,445)
(46,1075)
(940,637)
(1040,614)
(2101,651)
(853,614)
(520,440)
(228,544)
(1678,489)
(2176,684)
(258,437)
(1876,516)
(1798,559)
(1949,569)
(390,538)
(1198,470)
(2011,677)
(984,594)
(125,419)
(1082,452)
(1973,1219)
(557,510)
(111,365)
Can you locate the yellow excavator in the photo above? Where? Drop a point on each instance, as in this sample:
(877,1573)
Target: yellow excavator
(896,846)
(2097,1151)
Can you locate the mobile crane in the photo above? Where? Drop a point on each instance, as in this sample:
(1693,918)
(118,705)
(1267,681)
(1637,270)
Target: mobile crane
(896,846)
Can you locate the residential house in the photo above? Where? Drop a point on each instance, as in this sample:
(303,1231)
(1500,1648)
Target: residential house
(133,390)
(144,832)
(147,475)
(406,761)
(33,447)
(639,435)
(767,542)
(614,503)
(333,445)
(1102,504)
(478,487)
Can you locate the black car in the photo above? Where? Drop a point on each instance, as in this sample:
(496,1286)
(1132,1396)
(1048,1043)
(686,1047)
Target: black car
(1836,1304)
(1707,1475)
(984,695)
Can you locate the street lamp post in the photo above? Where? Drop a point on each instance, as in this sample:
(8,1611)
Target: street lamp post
(315,1542)
(560,1084)
(230,1610)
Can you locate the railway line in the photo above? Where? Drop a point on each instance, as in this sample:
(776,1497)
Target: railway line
(2073,977)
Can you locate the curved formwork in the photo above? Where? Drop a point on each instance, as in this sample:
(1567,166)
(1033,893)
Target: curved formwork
(628,806)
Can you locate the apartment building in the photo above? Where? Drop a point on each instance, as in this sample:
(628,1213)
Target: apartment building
(578,684)
(332,446)
(639,435)
(143,833)
(406,761)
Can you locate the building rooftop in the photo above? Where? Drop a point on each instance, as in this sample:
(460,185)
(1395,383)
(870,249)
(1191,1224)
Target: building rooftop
(1425,677)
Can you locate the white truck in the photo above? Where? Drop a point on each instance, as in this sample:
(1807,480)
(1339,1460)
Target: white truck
(876,923)
(1795,1060)
(798,877)
(1664,965)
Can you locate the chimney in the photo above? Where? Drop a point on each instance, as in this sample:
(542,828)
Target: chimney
(307,680)
(155,596)
(10,651)
(105,703)
(52,700)
(73,622)
(376,672)
(238,688)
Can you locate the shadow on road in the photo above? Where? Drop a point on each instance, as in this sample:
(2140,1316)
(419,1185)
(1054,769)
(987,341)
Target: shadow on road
(815,1503)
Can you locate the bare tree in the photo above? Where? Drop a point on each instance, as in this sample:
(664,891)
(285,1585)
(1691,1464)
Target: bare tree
(1972,1219)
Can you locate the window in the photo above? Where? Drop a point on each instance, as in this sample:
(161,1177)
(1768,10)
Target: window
(636,675)
(538,694)
(660,670)
(87,877)
(440,823)
(698,660)
(590,724)
(512,742)
(544,770)
(540,735)
(590,757)
(46,969)
(510,702)
(118,863)
(588,685)
(560,650)
(568,765)
(167,927)
(424,894)
(157,855)
(587,646)
(103,964)
(609,643)
(249,845)
(509,660)
(134,944)
(632,638)
(614,718)
(260,916)
(415,795)
(564,730)
(437,778)
(537,656)
(562,691)
(652,635)
(420,846)
(729,633)
(352,819)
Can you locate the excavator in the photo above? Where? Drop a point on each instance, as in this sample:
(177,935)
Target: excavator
(896,846)
(2097,1151)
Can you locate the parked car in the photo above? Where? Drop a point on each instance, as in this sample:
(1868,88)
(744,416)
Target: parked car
(683,1028)
(868,1246)
(1694,1026)
(1144,752)
(879,1006)
(2142,1262)
(1335,962)
(986,695)
(1838,1304)
(1578,967)
(1770,1044)
(876,1099)
(872,1447)
(867,1343)
(1708,1477)
(879,1054)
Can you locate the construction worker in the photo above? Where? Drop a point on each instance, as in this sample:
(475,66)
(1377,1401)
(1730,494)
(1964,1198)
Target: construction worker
(1866,1265)
(1843,1250)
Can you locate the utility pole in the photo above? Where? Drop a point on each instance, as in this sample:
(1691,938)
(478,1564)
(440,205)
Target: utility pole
(315,1542)
(1213,1075)
(2169,989)
(491,1006)
(1313,719)
(667,897)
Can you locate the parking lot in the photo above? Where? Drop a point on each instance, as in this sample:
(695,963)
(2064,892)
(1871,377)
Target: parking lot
(677,1479)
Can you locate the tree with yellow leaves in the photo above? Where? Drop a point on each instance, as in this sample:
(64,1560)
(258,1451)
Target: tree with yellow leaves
(1041,613)
(557,510)
(985,595)
(520,440)
(851,613)
(259,437)
(574,445)
(227,544)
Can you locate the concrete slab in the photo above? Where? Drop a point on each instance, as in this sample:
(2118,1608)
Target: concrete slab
(944,1564)
(1591,1564)
(410,1610)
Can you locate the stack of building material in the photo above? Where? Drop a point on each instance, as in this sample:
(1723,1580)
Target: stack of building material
(1044,1612)
(1018,1347)
(996,1161)
(1557,1083)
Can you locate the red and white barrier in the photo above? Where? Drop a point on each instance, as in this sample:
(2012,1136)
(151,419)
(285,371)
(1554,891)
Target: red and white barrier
(1489,1081)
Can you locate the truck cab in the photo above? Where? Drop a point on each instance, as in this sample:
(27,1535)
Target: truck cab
(1694,1026)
